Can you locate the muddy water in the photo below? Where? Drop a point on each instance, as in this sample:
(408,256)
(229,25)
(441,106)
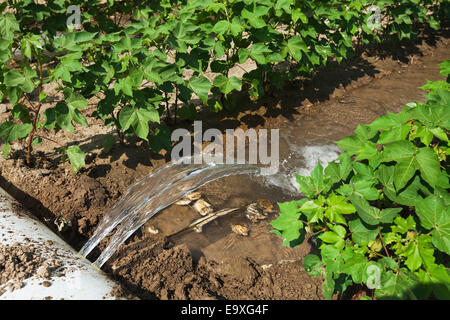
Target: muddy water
(304,140)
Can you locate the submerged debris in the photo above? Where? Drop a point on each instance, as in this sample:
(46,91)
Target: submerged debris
(255,213)
(266,205)
(203,207)
(152,229)
(183,202)
(195,195)
(240,230)
(198,224)
(61,223)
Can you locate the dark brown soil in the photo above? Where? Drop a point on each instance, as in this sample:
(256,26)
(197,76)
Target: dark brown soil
(215,264)
(155,271)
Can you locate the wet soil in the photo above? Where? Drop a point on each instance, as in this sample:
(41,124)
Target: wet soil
(218,263)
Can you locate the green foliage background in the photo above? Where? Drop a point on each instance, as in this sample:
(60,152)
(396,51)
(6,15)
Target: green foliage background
(124,46)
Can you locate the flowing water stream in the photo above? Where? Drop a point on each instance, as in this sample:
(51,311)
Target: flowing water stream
(153,193)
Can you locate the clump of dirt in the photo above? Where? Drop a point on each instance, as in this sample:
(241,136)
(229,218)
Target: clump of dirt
(162,272)
(17,263)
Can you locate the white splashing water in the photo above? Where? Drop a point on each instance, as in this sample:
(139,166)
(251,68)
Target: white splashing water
(301,161)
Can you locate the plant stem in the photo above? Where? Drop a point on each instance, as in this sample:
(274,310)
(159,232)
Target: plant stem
(382,241)
(167,104)
(176,105)
(33,108)
(49,139)
(36,114)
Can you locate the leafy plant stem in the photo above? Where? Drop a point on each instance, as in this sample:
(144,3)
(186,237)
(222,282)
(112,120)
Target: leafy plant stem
(176,105)
(33,108)
(49,139)
(382,241)
(36,114)
(166,98)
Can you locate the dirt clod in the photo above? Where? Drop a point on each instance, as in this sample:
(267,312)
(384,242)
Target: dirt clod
(17,263)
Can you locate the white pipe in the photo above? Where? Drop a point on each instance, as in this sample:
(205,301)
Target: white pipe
(79,280)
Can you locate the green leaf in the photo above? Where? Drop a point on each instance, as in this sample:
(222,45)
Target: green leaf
(313,265)
(328,285)
(83,36)
(243,55)
(339,171)
(284,5)
(372,215)
(332,238)
(435,278)
(76,157)
(404,171)
(160,139)
(10,131)
(389,263)
(397,285)
(404,225)
(435,112)
(108,143)
(138,118)
(419,252)
(429,166)
(337,206)
(6,149)
(398,151)
(28,43)
(409,161)
(36,141)
(8,25)
(362,233)
(258,51)
(365,188)
(395,134)
(313,210)
(356,266)
(201,86)
(332,258)
(354,145)
(75,100)
(221,27)
(288,223)
(295,47)
(297,14)
(124,85)
(306,185)
(226,85)
(445,66)
(13,78)
(314,184)
(254,17)
(435,215)
(408,196)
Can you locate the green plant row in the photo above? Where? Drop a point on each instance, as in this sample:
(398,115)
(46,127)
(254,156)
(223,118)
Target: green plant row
(138,58)
(380,214)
